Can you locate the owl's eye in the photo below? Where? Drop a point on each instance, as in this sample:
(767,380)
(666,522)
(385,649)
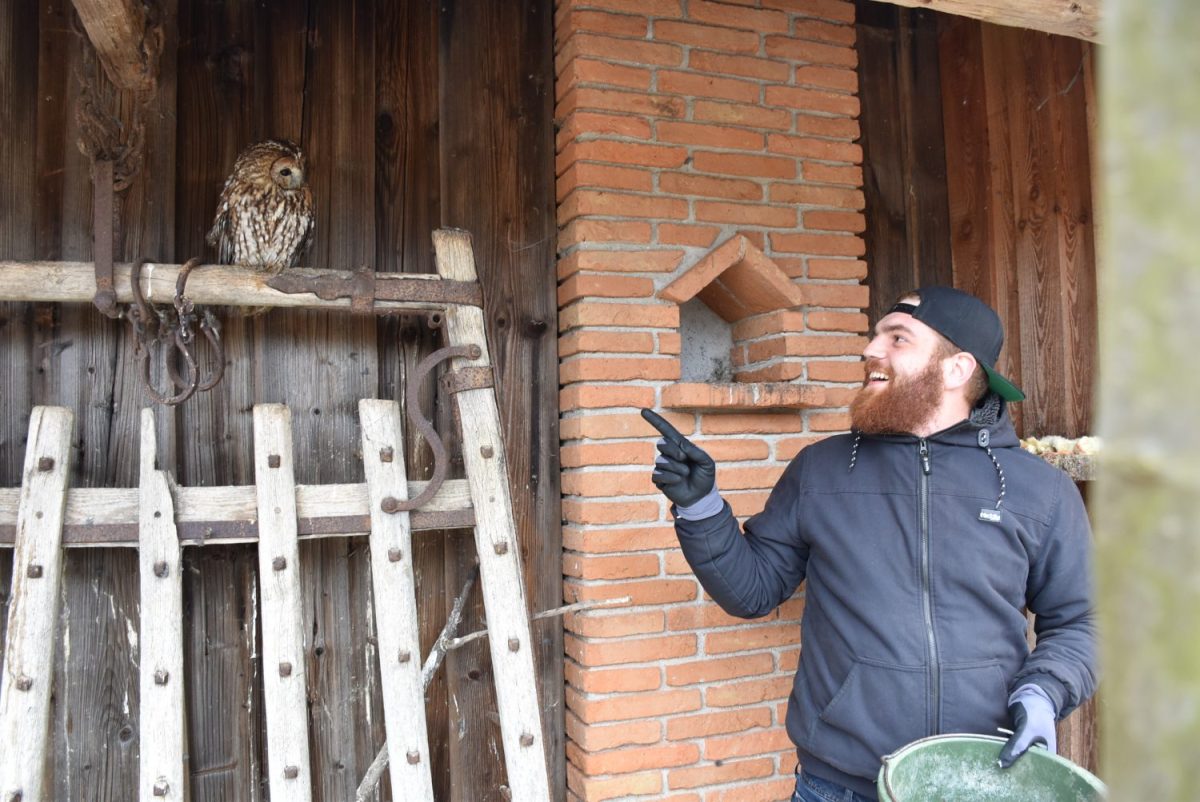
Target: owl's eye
(285,171)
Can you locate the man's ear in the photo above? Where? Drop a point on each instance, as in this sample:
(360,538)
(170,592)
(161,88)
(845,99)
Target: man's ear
(957,370)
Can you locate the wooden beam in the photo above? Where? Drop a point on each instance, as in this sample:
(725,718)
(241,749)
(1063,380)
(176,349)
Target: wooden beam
(1077,18)
(117,29)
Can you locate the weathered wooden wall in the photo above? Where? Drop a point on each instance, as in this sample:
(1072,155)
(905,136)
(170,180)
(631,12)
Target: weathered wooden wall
(978,144)
(412,117)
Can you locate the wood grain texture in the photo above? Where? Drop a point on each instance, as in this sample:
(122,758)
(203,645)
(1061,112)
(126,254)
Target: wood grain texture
(1077,18)
(117,30)
(26,686)
(162,767)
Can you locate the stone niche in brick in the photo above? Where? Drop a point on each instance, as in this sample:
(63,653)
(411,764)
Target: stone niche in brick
(736,308)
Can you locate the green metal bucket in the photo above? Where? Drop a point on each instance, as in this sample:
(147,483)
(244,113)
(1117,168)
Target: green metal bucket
(964,768)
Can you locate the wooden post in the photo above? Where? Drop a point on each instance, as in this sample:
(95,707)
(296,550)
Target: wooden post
(284,686)
(1077,18)
(161,769)
(117,29)
(33,609)
(495,541)
(1147,500)
(395,602)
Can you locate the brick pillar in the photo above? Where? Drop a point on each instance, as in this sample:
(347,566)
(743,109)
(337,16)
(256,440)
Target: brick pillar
(683,124)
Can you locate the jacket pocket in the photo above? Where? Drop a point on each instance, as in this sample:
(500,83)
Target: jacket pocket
(974,697)
(878,708)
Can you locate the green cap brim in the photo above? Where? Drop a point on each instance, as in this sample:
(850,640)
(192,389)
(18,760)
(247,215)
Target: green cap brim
(1002,386)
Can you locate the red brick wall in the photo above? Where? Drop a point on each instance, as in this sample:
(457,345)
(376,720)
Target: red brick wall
(682,124)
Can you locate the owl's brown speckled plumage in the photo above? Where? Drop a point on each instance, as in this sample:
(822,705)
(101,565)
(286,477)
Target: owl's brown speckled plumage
(265,216)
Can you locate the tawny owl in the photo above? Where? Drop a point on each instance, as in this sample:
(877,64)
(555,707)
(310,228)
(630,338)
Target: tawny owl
(265,217)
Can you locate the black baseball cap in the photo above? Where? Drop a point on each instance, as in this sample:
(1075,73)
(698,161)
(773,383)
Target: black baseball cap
(970,324)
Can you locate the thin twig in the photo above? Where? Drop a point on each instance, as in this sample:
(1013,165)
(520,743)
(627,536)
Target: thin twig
(569,608)
(436,655)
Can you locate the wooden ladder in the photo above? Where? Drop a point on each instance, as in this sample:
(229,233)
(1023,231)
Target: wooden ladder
(43,516)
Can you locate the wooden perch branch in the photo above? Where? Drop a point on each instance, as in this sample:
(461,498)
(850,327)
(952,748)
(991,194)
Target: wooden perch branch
(117,29)
(447,642)
(1077,18)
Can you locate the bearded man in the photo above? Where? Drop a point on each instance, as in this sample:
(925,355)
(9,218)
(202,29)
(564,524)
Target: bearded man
(922,536)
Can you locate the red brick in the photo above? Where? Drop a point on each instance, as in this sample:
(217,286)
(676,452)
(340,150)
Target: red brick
(683,234)
(736,694)
(602,176)
(837,269)
(727,771)
(599,22)
(837,321)
(813,53)
(735,450)
(833,174)
(594,790)
(716,669)
(701,616)
(619,425)
(674,564)
(780,372)
(706,36)
(585,313)
(811,148)
(755,116)
(824,32)
(669,342)
(659,261)
(591,342)
(837,221)
(811,100)
(626,566)
(591,71)
(697,85)
(652,8)
(832,10)
(838,295)
(771,790)
(836,127)
(823,244)
(789,660)
(709,135)
(746,214)
(595,625)
(748,638)
(746,504)
(777,322)
(624,761)
(746,66)
(738,164)
(618,204)
(593,285)
(584,397)
(805,345)
(594,737)
(630,650)
(620,680)
(589,231)
(811,195)
(586,97)
(603,150)
(595,123)
(606,368)
(743,18)
(655,591)
(632,706)
(596,482)
(708,187)
(829,422)
(607,541)
(577,455)
(613,49)
(758,423)
(742,745)
(684,727)
(733,478)
(827,78)
(602,512)
(835,371)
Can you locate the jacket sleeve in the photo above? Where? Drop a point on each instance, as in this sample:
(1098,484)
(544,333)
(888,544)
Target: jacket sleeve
(750,575)
(1059,594)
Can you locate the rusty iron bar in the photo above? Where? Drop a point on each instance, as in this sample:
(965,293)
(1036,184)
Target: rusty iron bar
(105,298)
(363,287)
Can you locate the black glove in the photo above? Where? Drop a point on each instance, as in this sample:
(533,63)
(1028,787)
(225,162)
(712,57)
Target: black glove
(684,473)
(1033,718)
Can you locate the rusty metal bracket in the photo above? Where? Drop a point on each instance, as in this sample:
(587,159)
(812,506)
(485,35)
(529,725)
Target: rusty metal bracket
(412,401)
(468,378)
(105,298)
(363,287)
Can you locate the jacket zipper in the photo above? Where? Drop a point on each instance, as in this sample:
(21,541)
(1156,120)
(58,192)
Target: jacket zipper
(926,593)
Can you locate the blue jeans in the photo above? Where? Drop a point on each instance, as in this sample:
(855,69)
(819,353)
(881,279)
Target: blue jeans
(814,789)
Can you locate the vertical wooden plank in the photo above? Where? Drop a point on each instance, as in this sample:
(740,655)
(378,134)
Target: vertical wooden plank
(33,611)
(395,602)
(498,183)
(284,674)
(502,582)
(18,121)
(162,767)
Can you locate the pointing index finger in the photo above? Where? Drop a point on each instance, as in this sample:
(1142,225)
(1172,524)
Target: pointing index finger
(668,431)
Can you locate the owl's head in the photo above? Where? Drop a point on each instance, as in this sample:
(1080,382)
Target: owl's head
(288,171)
(277,162)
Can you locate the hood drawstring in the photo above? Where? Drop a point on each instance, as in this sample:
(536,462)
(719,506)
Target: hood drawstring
(854,449)
(984,441)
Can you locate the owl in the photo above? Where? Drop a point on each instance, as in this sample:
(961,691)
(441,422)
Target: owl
(265,217)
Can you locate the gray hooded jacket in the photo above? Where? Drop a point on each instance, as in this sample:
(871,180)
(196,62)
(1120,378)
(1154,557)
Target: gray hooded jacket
(920,555)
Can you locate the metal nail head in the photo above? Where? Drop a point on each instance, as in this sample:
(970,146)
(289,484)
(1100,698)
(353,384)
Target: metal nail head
(404,656)
(279,563)
(273,461)
(291,772)
(414,758)
(487,452)
(386,454)
(526,739)
(161,676)
(161,787)
(394,555)
(34,571)
(45,464)
(285,669)
(23,682)
(161,569)
(514,645)
(501,547)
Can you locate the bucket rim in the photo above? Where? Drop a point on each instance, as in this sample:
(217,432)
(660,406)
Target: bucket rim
(888,761)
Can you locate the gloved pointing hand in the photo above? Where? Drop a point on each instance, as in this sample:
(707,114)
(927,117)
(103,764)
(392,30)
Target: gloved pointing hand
(683,472)
(1033,716)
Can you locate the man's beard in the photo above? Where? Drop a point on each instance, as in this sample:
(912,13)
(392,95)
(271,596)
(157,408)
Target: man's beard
(903,405)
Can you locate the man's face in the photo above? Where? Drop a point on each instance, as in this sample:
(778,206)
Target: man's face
(903,383)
